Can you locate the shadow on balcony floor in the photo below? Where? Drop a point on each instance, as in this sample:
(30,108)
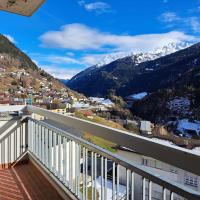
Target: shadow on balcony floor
(25,182)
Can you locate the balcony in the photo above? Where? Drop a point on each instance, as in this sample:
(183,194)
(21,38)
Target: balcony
(43,156)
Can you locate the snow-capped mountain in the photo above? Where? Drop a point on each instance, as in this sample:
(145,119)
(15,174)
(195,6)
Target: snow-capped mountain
(131,75)
(139,57)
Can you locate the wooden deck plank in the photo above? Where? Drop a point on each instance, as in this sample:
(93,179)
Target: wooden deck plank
(25,182)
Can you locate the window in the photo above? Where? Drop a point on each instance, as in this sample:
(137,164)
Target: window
(158,164)
(191,180)
(173,170)
(145,162)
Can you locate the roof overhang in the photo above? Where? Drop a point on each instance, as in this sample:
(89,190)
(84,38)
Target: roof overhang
(14,108)
(22,7)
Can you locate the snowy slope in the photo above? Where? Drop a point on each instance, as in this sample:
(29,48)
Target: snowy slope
(136,57)
(144,56)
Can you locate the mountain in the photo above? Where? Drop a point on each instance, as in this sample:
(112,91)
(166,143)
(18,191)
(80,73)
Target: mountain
(8,48)
(20,76)
(143,56)
(182,101)
(63,81)
(125,75)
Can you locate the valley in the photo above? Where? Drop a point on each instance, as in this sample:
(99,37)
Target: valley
(170,82)
(142,93)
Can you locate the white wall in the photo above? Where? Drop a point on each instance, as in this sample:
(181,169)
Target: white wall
(165,170)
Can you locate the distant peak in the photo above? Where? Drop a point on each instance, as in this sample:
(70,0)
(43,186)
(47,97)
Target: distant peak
(139,57)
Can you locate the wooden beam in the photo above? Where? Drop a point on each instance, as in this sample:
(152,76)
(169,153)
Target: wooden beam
(21,7)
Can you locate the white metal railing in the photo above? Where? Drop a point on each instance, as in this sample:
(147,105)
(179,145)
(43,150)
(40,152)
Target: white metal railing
(91,172)
(83,168)
(13,142)
(182,158)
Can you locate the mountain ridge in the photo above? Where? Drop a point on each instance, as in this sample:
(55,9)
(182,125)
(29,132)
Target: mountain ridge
(19,73)
(122,76)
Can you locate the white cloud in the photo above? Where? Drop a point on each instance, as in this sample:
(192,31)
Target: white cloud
(55,65)
(10,38)
(98,7)
(61,73)
(55,59)
(195,24)
(169,17)
(82,37)
(71,54)
(61,59)
(172,19)
(194,10)
(93,59)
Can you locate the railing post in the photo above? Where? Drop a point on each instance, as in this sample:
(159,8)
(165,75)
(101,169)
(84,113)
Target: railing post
(27,134)
(63,151)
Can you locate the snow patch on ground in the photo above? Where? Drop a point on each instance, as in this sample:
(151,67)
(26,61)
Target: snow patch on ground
(96,99)
(196,150)
(80,105)
(122,190)
(165,142)
(184,125)
(139,96)
(105,102)
(149,69)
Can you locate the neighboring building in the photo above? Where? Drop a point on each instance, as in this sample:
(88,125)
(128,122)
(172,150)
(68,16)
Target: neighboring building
(165,170)
(60,111)
(39,100)
(87,113)
(4,99)
(18,101)
(63,111)
(102,108)
(146,127)
(68,105)
(2,70)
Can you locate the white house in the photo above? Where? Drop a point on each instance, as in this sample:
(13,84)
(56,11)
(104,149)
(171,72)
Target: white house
(165,170)
(146,127)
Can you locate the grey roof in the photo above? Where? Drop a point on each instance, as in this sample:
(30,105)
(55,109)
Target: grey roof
(15,108)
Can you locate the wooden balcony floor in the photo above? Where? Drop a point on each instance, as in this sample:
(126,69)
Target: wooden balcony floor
(25,182)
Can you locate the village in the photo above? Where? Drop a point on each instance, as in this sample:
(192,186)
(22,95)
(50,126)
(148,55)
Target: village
(27,88)
(41,92)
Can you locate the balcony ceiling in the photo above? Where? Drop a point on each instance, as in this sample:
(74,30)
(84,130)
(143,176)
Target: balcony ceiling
(22,7)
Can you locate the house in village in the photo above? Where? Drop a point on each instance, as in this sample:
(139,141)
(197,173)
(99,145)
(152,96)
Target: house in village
(146,127)
(4,99)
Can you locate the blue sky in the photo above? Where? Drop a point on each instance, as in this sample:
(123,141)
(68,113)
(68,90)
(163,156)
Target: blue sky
(66,37)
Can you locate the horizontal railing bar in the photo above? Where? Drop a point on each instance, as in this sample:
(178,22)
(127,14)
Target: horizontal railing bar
(176,156)
(141,170)
(8,124)
(19,123)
